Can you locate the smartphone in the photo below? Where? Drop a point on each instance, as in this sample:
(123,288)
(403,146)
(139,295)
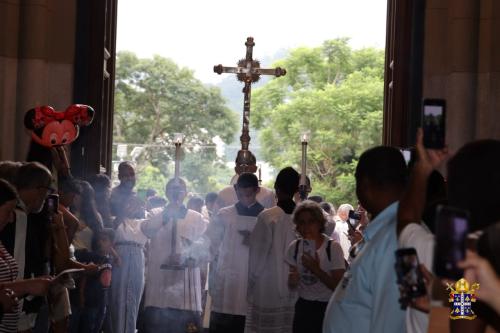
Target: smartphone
(409,276)
(434,123)
(353,220)
(452,226)
(354,215)
(52,203)
(306,276)
(309,247)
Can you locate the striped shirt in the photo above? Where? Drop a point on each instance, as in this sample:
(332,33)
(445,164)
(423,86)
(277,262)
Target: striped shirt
(8,273)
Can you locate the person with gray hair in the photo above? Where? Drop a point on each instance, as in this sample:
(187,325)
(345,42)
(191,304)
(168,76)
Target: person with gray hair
(341,231)
(343,211)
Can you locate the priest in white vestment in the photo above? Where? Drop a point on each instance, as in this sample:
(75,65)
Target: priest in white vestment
(271,302)
(229,235)
(173,286)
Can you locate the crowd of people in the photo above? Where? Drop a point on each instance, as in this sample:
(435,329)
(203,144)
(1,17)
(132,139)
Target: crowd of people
(82,256)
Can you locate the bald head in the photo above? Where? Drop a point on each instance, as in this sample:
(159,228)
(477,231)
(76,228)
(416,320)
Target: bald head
(126,175)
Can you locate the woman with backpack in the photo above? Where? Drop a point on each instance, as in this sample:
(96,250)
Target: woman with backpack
(316,267)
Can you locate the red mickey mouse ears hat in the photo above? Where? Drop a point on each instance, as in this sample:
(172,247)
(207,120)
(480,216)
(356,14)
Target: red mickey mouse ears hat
(52,128)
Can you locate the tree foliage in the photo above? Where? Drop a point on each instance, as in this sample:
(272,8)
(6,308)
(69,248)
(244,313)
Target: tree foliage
(334,92)
(154,99)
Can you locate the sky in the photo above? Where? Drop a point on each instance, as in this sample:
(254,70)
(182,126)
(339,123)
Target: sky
(199,34)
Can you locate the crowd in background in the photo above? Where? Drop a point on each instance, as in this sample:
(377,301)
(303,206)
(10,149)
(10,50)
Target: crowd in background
(83,256)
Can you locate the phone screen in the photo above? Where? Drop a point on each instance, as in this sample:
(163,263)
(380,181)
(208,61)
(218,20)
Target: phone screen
(309,247)
(410,278)
(452,226)
(434,123)
(52,203)
(306,276)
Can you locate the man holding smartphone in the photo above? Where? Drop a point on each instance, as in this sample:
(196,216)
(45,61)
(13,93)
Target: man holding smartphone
(366,300)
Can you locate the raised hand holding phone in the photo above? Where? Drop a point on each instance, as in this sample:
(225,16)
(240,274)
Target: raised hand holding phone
(452,225)
(428,159)
(52,204)
(434,123)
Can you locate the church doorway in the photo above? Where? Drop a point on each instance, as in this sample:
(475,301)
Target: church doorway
(321,63)
(333,89)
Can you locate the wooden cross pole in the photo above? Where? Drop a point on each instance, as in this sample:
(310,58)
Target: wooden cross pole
(248,72)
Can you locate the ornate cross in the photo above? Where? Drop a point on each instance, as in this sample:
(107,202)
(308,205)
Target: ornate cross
(248,72)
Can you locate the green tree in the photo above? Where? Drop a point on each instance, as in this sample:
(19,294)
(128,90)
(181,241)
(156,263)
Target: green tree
(334,92)
(152,178)
(154,99)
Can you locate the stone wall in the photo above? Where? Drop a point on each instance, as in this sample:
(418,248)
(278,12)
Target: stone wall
(37,48)
(462,65)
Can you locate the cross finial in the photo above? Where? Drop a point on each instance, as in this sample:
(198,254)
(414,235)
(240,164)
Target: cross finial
(248,72)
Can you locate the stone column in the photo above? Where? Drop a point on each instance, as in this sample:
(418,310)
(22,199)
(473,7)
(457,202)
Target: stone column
(488,77)
(9,33)
(38,60)
(462,77)
(462,65)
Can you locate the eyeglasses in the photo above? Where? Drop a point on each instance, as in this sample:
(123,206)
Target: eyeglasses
(49,189)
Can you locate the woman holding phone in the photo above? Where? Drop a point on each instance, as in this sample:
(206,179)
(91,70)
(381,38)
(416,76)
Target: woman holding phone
(316,267)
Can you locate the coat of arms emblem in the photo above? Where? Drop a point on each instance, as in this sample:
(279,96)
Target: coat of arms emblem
(462,295)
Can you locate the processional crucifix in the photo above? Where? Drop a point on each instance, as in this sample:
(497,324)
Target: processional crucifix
(248,72)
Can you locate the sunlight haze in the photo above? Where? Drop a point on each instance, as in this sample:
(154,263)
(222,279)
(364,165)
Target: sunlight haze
(200,34)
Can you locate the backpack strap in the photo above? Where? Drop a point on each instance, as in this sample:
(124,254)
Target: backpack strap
(296,252)
(328,246)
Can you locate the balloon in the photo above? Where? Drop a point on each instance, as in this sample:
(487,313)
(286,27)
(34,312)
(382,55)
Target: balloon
(52,128)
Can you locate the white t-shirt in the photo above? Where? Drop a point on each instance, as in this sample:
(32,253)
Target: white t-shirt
(312,288)
(418,236)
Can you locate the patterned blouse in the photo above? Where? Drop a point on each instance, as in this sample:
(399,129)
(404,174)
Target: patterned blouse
(8,273)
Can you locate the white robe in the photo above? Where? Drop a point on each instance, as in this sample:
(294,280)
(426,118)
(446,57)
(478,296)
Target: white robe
(227,197)
(170,288)
(341,234)
(229,294)
(271,302)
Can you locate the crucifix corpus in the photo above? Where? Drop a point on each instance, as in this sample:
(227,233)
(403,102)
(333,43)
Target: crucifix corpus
(248,72)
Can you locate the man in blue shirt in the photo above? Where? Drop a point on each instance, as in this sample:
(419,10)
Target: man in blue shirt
(367,298)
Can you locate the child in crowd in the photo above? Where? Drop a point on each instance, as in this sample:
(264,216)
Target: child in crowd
(93,289)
